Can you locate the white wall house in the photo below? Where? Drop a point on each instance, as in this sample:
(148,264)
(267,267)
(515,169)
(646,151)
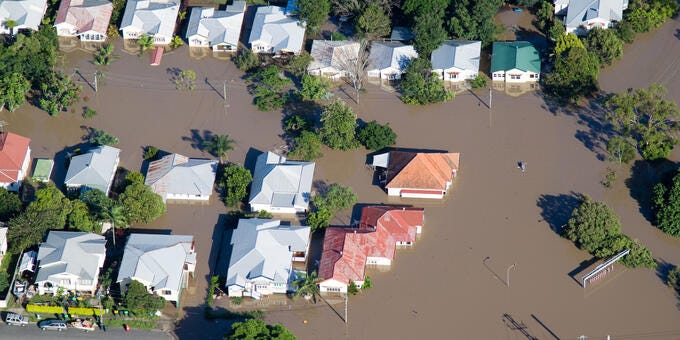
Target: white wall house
(262,254)
(180,178)
(154,18)
(457,60)
(281,186)
(389,59)
(219,30)
(332,59)
(26,14)
(515,62)
(584,15)
(15,158)
(70,260)
(94,169)
(86,19)
(274,32)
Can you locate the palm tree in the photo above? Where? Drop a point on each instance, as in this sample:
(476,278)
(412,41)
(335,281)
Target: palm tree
(115,214)
(176,42)
(10,24)
(105,55)
(218,146)
(145,42)
(308,285)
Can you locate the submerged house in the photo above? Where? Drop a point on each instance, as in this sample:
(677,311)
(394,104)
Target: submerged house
(86,19)
(389,59)
(580,16)
(275,32)
(15,158)
(280,185)
(177,177)
(417,174)
(332,59)
(219,30)
(25,14)
(515,62)
(154,18)
(457,60)
(94,169)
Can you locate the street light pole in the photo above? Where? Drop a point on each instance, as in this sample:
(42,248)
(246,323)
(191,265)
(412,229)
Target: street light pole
(507,274)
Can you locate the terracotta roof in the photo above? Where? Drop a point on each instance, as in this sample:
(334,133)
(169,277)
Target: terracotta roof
(400,222)
(13,149)
(421,170)
(342,259)
(85,15)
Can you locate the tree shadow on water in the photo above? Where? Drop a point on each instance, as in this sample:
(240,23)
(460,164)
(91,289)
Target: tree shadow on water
(643,176)
(197,138)
(556,209)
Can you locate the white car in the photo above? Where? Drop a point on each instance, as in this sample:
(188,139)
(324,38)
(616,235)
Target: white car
(15,319)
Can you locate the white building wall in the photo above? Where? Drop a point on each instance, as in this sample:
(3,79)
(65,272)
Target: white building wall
(515,76)
(275,210)
(332,286)
(187,197)
(65,29)
(378,261)
(261,47)
(198,41)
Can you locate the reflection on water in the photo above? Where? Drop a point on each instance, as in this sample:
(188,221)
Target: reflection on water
(515,89)
(71,44)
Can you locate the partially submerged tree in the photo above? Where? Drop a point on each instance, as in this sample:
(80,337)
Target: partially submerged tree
(313,88)
(338,126)
(234,184)
(252,329)
(141,203)
(308,285)
(606,45)
(218,146)
(13,90)
(375,136)
(145,42)
(58,93)
(313,13)
(306,146)
(101,137)
(420,86)
(667,206)
(355,64)
(140,302)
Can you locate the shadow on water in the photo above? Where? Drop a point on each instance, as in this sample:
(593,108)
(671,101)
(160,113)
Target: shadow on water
(251,159)
(63,158)
(574,274)
(662,270)
(556,209)
(644,175)
(197,138)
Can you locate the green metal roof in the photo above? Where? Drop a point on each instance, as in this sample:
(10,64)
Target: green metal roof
(521,55)
(43,169)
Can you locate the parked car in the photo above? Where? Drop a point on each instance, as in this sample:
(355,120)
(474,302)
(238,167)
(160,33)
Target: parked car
(53,325)
(15,319)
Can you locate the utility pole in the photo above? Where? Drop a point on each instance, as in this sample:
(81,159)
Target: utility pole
(346,300)
(224,91)
(490,96)
(95,81)
(507,274)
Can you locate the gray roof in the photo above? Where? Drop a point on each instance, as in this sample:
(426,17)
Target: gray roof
(281,183)
(219,27)
(327,53)
(27,13)
(152,17)
(385,54)
(402,33)
(580,11)
(158,259)
(462,54)
(264,248)
(94,169)
(70,252)
(272,26)
(177,174)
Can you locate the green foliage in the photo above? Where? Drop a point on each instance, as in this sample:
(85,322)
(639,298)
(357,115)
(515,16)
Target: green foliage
(46,310)
(101,137)
(646,117)
(320,218)
(420,86)
(139,301)
(567,42)
(89,112)
(368,283)
(218,146)
(32,56)
(97,203)
(620,150)
(307,285)
(625,31)
(605,44)
(307,146)
(373,23)
(298,63)
(58,93)
(133,177)
(418,7)
(116,215)
(4,281)
(337,36)
(267,85)
(667,206)
(473,19)
(145,42)
(79,218)
(352,288)
(29,228)
(176,40)
(336,198)
(141,203)
(237,300)
(234,184)
(185,80)
(150,153)
(255,329)
(116,14)
(574,75)
(105,56)
(545,16)
(645,15)
(556,30)
(481,81)
(246,60)
(313,13)
(673,278)
(429,33)
(13,90)
(214,282)
(375,136)
(313,88)
(294,124)
(10,204)
(338,126)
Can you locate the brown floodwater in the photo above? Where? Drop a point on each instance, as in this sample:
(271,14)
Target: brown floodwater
(443,287)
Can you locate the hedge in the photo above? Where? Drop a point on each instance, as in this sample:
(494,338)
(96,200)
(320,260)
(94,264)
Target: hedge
(85,311)
(59,310)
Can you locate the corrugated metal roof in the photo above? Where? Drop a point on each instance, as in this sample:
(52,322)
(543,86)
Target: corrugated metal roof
(75,253)
(94,169)
(386,54)
(276,176)
(462,54)
(421,170)
(521,55)
(273,27)
(13,150)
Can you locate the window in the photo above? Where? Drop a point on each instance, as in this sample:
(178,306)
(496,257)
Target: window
(278,285)
(515,76)
(166,292)
(333,289)
(261,286)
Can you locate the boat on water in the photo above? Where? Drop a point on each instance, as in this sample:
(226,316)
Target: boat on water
(84,325)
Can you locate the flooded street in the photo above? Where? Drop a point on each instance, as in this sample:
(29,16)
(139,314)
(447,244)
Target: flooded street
(443,287)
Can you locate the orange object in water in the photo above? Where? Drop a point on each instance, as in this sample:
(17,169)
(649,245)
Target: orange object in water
(127,327)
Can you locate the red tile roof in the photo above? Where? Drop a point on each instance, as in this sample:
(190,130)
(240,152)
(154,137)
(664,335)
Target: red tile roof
(421,170)
(13,149)
(85,15)
(400,222)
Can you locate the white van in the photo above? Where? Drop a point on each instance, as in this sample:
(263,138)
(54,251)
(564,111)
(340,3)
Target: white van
(15,319)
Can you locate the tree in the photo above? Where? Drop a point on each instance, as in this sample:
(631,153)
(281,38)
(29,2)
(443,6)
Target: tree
(58,93)
(4,281)
(429,33)
(338,126)
(336,198)
(255,329)
(556,30)
(625,31)
(307,146)
(298,63)
(234,184)
(246,60)
(176,40)
(134,177)
(115,214)
(10,24)
(375,136)
(10,205)
(667,206)
(218,146)
(648,118)
(574,75)
(267,85)
(295,124)
(473,19)
(481,81)
(645,15)
(29,228)
(307,285)
(52,201)
(545,16)
(101,137)
(320,218)
(567,42)
(80,218)
(139,301)
(355,65)
(105,56)
(373,23)
(97,203)
(145,42)
(592,225)
(185,80)
(13,90)
(605,44)
(420,86)
(620,149)
(418,7)
(313,13)
(313,88)
(141,204)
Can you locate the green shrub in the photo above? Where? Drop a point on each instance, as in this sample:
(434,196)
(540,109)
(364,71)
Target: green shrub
(89,112)
(150,153)
(480,81)
(44,309)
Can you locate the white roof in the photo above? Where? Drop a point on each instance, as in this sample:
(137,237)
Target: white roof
(93,169)
(75,253)
(274,28)
(580,11)
(27,13)
(281,183)
(177,174)
(151,17)
(386,54)
(381,160)
(158,259)
(3,235)
(219,27)
(28,261)
(264,248)
(461,54)
(328,53)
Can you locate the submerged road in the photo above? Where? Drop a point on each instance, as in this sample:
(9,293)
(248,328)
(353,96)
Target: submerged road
(32,331)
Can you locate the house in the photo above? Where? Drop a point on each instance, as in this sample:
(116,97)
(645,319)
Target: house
(583,15)
(274,32)
(70,260)
(177,177)
(515,62)
(347,251)
(332,59)
(417,174)
(219,30)
(87,19)
(389,59)
(457,60)
(280,185)
(15,158)
(3,242)
(25,14)
(162,263)
(154,18)
(94,169)
(262,257)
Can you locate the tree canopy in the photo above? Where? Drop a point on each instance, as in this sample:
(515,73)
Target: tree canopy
(255,329)
(338,126)
(10,205)
(375,136)
(306,146)
(420,86)
(574,74)
(473,19)
(268,85)
(234,184)
(334,199)
(373,22)
(141,204)
(606,45)
(667,206)
(139,301)
(218,146)
(314,13)
(429,33)
(313,88)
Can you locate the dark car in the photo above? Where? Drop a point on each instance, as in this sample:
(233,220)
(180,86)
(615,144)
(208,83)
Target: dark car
(53,325)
